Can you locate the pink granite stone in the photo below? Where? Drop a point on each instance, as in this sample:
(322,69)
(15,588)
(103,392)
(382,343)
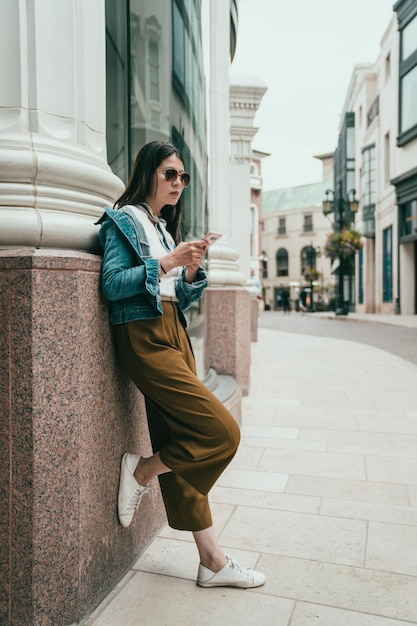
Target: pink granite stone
(254,315)
(67,413)
(228,329)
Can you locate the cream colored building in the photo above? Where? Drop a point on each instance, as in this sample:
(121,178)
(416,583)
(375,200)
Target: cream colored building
(293,236)
(382,104)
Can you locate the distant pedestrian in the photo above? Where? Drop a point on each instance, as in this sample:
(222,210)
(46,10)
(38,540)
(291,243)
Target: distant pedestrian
(285,300)
(150,278)
(303,305)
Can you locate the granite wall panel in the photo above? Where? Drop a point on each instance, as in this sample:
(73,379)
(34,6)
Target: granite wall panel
(228,327)
(67,413)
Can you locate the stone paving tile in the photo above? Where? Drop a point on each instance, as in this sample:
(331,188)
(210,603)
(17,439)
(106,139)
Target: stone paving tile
(261,418)
(336,540)
(369,450)
(319,421)
(284,444)
(271,432)
(404,441)
(265,500)
(375,512)
(393,548)
(400,424)
(339,586)
(308,614)
(305,462)
(392,470)
(260,481)
(346,436)
(348,489)
(169,601)
(247,457)
(412,494)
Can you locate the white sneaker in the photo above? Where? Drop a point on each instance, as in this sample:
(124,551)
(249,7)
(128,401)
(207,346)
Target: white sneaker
(231,575)
(130,492)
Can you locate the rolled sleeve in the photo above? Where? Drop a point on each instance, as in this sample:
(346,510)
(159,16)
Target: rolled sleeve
(190,292)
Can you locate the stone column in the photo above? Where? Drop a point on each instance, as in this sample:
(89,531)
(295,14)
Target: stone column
(223,257)
(67,411)
(227,301)
(55,178)
(246,94)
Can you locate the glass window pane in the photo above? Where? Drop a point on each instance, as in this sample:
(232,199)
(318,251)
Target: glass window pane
(409,39)
(350,143)
(178,44)
(117,89)
(154,70)
(188,51)
(409,100)
(387,265)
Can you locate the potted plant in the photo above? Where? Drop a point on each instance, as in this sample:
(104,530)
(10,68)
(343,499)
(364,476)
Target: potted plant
(343,244)
(311,274)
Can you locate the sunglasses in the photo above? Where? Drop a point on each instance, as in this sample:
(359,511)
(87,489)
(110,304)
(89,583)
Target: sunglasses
(172,174)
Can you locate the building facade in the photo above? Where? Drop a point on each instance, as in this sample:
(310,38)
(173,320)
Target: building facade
(380,113)
(293,237)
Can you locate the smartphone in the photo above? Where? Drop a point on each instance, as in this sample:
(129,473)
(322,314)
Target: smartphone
(211,237)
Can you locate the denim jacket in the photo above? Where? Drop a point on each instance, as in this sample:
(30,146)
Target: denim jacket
(130,276)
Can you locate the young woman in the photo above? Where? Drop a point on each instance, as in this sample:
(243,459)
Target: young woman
(150,277)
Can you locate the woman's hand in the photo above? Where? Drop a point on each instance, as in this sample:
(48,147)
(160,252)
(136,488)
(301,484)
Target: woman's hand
(189,254)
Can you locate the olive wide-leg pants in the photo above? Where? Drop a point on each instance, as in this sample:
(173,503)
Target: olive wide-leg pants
(192,430)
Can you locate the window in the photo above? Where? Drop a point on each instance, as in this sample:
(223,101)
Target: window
(281,226)
(179,55)
(187,78)
(409,100)
(308,258)
(264,259)
(368,189)
(387,159)
(154,70)
(308,223)
(368,176)
(117,89)
(360,299)
(387,264)
(282,262)
(408,218)
(373,111)
(409,39)
(387,67)
(407,22)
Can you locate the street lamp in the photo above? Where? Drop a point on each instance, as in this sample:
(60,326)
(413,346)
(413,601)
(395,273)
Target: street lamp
(344,210)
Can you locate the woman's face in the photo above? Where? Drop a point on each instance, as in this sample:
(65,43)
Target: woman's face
(168,184)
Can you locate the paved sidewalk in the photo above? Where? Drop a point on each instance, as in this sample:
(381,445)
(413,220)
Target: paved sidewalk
(322,497)
(408,321)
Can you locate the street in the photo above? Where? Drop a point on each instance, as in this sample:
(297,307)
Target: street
(397,340)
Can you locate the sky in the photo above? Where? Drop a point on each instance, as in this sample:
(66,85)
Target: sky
(305,52)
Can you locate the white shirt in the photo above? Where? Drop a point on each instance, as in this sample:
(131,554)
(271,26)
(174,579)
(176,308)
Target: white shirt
(158,250)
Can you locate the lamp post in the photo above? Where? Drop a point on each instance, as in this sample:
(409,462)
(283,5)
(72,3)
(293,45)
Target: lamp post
(344,210)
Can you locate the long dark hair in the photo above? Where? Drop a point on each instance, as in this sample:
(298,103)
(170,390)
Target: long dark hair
(141,181)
